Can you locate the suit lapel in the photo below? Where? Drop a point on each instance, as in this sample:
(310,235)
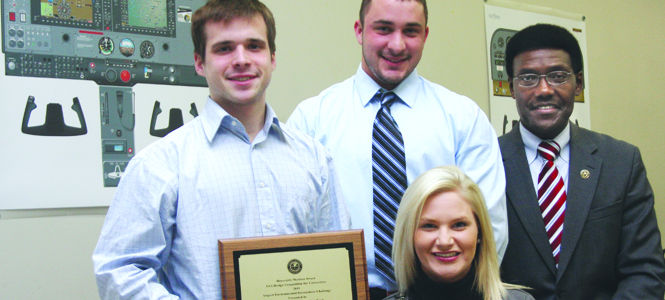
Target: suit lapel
(522,195)
(580,192)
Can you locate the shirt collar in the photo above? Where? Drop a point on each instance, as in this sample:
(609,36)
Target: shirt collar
(531,142)
(270,125)
(215,118)
(366,87)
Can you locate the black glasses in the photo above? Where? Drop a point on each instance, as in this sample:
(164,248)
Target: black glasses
(553,78)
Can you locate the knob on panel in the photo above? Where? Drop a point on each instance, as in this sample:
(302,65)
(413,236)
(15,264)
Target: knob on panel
(111,75)
(125,76)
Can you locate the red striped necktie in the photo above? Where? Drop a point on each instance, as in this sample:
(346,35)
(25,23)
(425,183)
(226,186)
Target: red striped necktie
(552,196)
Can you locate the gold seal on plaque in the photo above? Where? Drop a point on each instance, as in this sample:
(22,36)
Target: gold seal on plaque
(294,266)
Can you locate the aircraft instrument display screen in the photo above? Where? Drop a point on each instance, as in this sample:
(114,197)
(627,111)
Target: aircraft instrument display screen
(73,10)
(68,13)
(146,13)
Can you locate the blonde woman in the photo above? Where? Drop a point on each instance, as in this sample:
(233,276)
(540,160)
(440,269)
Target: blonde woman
(443,245)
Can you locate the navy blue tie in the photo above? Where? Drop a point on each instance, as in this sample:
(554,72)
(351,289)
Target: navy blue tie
(389,175)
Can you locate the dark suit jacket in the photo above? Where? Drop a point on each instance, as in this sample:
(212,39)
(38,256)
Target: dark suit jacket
(610,246)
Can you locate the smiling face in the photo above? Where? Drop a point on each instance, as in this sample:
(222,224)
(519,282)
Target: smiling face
(392,38)
(238,64)
(544,109)
(446,237)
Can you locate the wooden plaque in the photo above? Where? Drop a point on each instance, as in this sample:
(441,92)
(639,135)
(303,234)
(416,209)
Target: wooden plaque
(313,266)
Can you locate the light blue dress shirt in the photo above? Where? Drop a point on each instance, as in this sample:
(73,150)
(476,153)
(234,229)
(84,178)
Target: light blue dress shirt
(439,128)
(203,182)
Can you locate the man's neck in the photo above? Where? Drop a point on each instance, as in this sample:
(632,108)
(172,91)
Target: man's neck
(251,116)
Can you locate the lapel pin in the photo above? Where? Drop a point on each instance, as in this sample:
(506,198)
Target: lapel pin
(585,174)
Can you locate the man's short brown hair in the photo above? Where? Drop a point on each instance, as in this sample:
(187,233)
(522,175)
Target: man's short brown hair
(364,6)
(226,10)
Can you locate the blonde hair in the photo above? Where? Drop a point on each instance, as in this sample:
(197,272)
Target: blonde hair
(445,179)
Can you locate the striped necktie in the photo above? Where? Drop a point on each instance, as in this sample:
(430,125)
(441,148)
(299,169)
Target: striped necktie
(552,196)
(389,176)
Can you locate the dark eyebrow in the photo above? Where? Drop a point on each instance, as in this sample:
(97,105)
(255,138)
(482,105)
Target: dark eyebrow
(549,69)
(382,22)
(386,22)
(258,41)
(414,24)
(229,43)
(221,43)
(525,71)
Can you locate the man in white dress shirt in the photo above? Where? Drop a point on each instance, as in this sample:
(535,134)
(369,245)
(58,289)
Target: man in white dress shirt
(439,127)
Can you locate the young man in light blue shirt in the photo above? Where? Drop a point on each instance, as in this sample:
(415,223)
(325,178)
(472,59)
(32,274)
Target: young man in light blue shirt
(234,171)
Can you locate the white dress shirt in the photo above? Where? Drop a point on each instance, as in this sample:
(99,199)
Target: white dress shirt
(439,127)
(536,162)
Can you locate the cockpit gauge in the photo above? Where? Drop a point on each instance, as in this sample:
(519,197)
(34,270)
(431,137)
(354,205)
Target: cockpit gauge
(106,45)
(147,49)
(126,47)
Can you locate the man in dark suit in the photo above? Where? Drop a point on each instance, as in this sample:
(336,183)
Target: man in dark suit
(585,228)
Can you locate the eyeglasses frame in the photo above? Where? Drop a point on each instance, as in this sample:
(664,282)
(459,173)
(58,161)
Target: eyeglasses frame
(540,77)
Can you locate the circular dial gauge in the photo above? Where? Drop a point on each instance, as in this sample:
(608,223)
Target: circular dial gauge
(147,49)
(106,45)
(126,47)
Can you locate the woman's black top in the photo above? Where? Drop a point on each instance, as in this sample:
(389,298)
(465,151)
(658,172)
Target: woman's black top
(424,288)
